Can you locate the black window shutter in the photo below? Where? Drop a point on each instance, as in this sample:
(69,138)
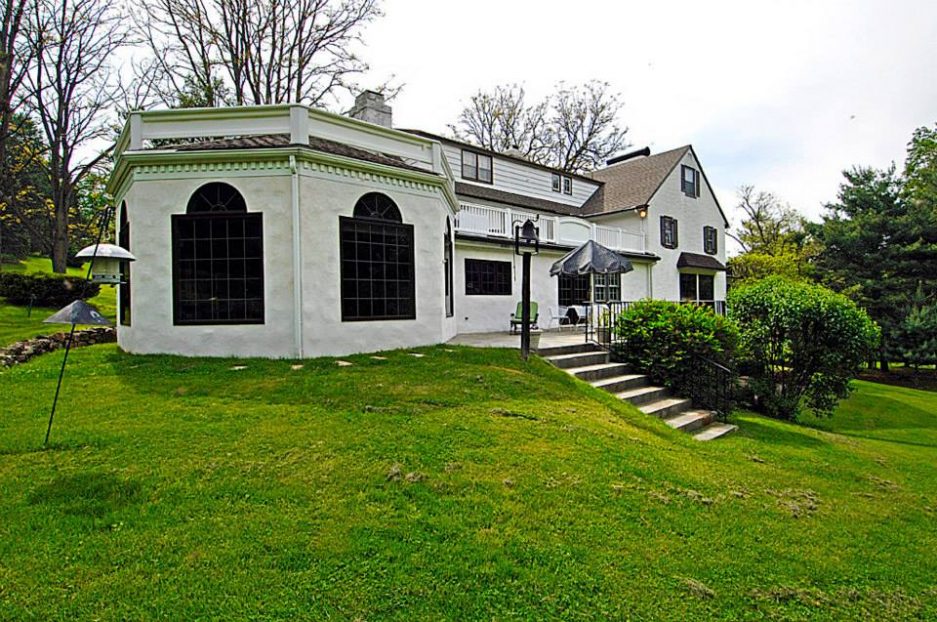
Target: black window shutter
(696,174)
(674,226)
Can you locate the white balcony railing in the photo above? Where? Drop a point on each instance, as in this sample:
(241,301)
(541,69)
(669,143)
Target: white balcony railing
(499,223)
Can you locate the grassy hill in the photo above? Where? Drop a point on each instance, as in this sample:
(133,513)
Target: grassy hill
(17,323)
(462,484)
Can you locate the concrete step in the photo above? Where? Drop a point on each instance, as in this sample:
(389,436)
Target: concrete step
(714,431)
(599,371)
(665,407)
(621,383)
(578,359)
(644,395)
(570,349)
(690,420)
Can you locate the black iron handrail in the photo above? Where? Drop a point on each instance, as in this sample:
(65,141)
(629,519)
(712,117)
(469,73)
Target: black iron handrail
(710,385)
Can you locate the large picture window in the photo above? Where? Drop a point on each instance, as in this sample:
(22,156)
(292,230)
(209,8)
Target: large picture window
(123,240)
(218,259)
(699,288)
(574,290)
(377,262)
(487,278)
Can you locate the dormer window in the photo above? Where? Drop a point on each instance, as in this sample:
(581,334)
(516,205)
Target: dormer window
(689,181)
(476,166)
(562,183)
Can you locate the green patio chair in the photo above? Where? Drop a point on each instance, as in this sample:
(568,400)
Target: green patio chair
(516,319)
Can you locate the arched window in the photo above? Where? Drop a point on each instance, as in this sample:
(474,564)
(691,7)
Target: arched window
(123,240)
(218,260)
(377,262)
(447,268)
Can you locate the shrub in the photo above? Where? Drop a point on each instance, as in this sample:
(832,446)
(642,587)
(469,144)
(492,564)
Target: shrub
(664,340)
(44,290)
(803,344)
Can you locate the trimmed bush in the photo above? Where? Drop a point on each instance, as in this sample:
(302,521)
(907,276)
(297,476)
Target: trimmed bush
(44,290)
(803,343)
(914,340)
(663,339)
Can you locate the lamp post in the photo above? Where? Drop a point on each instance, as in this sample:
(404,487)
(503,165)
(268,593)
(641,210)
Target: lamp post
(526,243)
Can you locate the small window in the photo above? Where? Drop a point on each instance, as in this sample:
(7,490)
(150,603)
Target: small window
(710,241)
(557,182)
(607,287)
(567,185)
(690,181)
(487,278)
(477,167)
(573,290)
(668,232)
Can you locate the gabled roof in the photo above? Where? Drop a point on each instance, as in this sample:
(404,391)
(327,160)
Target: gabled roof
(268,141)
(634,182)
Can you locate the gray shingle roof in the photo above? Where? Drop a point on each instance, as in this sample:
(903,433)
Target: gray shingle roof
(634,182)
(268,141)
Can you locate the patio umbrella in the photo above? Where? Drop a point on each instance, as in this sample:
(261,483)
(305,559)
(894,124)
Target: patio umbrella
(591,258)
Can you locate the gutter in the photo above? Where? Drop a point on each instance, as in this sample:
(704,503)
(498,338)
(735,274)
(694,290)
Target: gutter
(297,260)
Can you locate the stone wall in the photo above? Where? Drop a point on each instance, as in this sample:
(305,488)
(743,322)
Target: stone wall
(22,351)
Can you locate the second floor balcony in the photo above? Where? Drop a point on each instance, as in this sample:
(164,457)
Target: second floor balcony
(498,222)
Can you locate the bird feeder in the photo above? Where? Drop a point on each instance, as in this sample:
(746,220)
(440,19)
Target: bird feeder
(106,260)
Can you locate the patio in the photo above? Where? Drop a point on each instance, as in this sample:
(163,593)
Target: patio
(504,339)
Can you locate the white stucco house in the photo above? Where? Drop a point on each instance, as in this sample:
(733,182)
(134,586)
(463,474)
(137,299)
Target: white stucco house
(286,231)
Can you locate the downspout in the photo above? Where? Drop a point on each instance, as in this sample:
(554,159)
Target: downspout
(297,261)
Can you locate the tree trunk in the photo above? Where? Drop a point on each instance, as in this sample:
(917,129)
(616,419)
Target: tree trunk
(60,230)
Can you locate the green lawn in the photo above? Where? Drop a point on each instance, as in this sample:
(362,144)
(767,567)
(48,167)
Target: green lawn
(460,485)
(17,323)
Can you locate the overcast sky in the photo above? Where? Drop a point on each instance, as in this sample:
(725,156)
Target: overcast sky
(782,95)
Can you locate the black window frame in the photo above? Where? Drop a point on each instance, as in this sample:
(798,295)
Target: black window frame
(669,224)
(690,189)
(390,256)
(567,185)
(124,316)
(488,277)
(473,172)
(710,240)
(573,290)
(196,231)
(556,182)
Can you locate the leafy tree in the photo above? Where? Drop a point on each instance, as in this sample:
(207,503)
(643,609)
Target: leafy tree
(803,344)
(772,238)
(914,339)
(575,129)
(879,245)
(25,210)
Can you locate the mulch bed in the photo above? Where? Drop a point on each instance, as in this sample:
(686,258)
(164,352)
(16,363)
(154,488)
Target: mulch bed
(925,379)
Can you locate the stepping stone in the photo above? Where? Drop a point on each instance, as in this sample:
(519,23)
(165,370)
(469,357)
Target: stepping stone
(238,367)
(416,354)
(343,363)
(296,367)
(379,358)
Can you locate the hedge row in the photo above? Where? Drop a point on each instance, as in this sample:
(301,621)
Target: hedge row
(44,290)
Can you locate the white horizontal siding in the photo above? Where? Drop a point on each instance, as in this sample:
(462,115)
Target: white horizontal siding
(511,176)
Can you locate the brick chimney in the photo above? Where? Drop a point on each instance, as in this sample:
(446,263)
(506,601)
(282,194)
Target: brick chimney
(369,106)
